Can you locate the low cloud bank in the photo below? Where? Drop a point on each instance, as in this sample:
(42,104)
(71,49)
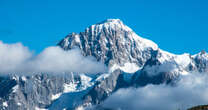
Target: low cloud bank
(16,58)
(190,91)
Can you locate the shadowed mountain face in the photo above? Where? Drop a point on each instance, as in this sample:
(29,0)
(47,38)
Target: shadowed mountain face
(132,61)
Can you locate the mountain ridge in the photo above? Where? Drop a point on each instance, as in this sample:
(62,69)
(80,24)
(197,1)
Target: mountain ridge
(132,61)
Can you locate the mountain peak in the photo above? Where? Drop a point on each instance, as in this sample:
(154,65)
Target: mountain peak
(115,21)
(203,52)
(203,55)
(110,24)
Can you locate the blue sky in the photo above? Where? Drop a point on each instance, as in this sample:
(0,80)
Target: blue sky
(177,26)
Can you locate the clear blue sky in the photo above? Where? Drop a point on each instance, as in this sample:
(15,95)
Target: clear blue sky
(177,26)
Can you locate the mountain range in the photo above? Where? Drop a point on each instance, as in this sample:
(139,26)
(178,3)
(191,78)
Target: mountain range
(132,61)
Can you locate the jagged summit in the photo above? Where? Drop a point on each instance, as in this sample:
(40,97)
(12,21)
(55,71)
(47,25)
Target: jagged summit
(109,25)
(132,61)
(113,43)
(111,21)
(203,54)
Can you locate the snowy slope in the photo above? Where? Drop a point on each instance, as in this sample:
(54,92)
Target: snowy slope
(112,43)
(131,60)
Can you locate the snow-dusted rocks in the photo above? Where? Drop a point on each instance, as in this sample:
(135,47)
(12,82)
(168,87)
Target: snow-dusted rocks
(111,42)
(131,60)
(201,61)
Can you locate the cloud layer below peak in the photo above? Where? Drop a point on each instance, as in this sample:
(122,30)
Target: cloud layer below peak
(190,91)
(16,58)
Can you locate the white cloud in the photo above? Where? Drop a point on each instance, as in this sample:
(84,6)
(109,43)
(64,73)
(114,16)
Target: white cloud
(190,91)
(12,55)
(17,58)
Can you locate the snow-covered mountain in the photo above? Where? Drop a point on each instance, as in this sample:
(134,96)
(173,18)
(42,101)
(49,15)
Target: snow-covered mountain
(113,43)
(132,61)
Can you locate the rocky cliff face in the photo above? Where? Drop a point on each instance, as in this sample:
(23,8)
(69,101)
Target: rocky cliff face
(111,42)
(30,92)
(132,61)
